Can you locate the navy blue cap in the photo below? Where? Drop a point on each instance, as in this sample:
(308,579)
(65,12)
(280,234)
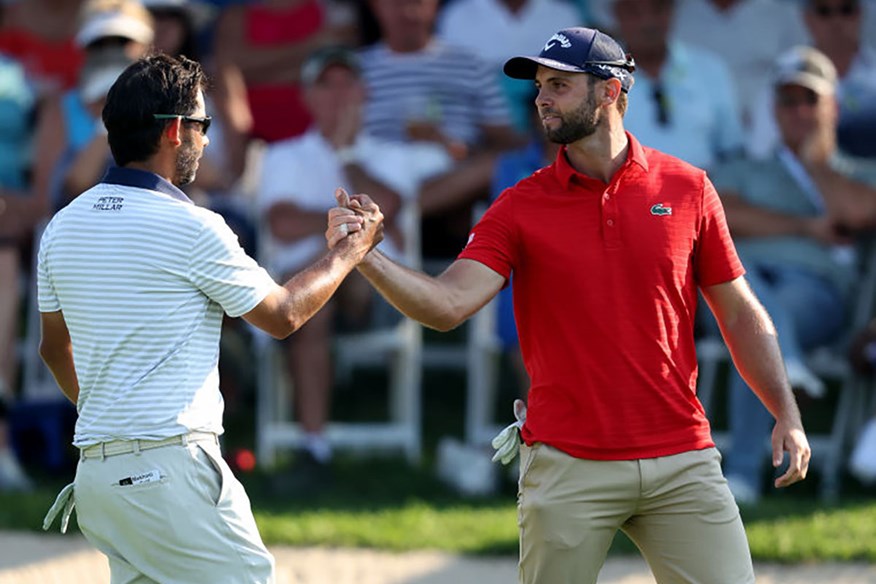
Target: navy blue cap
(578,50)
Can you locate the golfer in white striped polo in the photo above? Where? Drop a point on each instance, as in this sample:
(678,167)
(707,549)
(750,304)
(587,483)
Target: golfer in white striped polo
(133,283)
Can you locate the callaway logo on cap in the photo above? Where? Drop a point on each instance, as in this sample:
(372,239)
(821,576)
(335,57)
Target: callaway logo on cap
(578,50)
(557,38)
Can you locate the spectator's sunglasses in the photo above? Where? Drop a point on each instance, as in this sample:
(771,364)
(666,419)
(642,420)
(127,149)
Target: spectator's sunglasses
(845,9)
(203,122)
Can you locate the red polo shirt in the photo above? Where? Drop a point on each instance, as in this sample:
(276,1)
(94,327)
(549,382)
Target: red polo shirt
(605,293)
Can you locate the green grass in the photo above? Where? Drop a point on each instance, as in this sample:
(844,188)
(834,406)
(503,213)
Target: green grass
(793,531)
(409,526)
(385,504)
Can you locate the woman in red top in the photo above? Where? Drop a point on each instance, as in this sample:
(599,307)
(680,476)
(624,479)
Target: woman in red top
(39,34)
(268,41)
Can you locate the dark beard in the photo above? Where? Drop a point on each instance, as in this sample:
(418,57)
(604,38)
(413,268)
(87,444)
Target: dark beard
(577,125)
(186,163)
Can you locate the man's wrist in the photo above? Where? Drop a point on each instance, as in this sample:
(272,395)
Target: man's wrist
(370,260)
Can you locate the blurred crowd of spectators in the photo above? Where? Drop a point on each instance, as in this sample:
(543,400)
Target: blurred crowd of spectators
(405,100)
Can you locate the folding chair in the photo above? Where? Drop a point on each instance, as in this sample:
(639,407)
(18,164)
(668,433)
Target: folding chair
(482,360)
(482,376)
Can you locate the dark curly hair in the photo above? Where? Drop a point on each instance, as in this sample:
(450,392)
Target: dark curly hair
(155,84)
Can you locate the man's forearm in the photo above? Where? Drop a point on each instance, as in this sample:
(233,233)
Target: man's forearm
(852,203)
(310,289)
(466,182)
(746,220)
(753,343)
(61,366)
(416,295)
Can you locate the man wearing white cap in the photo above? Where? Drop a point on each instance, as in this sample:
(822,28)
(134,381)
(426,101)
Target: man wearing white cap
(65,126)
(115,19)
(793,216)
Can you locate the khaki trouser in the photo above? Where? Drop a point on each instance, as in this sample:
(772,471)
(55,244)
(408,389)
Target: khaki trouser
(677,509)
(174,514)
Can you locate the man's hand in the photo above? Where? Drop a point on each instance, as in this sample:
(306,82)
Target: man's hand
(820,146)
(347,128)
(793,440)
(356,223)
(342,220)
(825,230)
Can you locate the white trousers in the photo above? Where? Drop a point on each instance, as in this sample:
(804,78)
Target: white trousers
(171,515)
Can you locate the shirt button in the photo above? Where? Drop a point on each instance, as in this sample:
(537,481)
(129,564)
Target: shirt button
(607,196)
(610,222)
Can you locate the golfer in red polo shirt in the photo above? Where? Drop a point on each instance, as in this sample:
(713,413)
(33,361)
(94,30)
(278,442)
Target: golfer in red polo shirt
(608,247)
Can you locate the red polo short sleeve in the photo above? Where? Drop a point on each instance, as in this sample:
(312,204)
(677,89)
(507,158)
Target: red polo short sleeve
(605,294)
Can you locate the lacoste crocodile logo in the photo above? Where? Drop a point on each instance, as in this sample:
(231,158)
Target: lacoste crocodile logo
(659,209)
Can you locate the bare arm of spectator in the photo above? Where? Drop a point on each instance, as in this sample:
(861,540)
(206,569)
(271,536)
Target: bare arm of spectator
(16,209)
(274,64)
(87,168)
(852,204)
(467,180)
(502,138)
(288,222)
(229,98)
(747,220)
(50,140)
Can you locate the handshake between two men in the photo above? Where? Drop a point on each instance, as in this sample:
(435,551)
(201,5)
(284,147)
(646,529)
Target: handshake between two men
(357,221)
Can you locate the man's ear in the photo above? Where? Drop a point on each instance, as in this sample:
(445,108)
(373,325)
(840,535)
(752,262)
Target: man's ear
(611,90)
(173,132)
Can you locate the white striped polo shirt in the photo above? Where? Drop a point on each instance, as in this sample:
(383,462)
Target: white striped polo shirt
(442,84)
(143,276)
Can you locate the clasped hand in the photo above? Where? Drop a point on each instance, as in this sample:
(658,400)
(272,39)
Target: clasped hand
(357,220)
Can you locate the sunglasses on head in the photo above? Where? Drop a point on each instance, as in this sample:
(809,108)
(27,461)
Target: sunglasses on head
(627,63)
(827,11)
(203,122)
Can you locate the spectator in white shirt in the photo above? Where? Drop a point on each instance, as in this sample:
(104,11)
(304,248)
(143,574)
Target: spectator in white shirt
(747,34)
(688,101)
(299,176)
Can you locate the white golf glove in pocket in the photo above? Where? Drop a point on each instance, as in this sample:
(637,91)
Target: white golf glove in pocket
(63,505)
(507,442)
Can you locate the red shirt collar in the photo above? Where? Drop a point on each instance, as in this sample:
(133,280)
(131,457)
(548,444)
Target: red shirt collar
(565,173)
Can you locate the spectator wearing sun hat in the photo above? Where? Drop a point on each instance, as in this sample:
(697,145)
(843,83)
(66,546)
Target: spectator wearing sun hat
(106,27)
(793,217)
(837,30)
